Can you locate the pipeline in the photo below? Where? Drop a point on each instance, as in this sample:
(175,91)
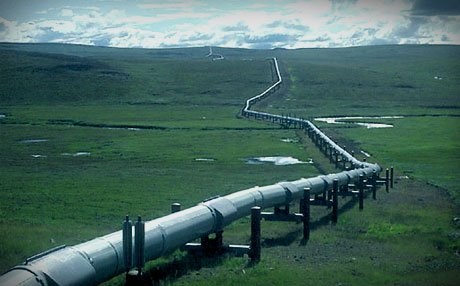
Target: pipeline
(100,259)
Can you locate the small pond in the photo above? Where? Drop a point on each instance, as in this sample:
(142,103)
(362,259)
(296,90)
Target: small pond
(355,120)
(27,141)
(205,159)
(276,160)
(77,154)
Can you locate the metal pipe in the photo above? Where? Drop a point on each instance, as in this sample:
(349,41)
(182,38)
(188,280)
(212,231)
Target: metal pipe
(255,246)
(128,243)
(305,210)
(100,259)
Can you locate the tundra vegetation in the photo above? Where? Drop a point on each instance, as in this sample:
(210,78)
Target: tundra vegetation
(90,134)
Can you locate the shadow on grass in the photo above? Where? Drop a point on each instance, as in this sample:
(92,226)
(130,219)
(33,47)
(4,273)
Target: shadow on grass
(284,240)
(195,260)
(326,219)
(180,266)
(292,236)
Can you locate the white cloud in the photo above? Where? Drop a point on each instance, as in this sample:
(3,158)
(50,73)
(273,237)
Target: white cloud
(67,13)
(12,31)
(42,12)
(85,8)
(293,24)
(138,20)
(63,27)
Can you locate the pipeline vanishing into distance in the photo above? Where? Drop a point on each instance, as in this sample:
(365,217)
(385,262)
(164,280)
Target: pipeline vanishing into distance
(98,260)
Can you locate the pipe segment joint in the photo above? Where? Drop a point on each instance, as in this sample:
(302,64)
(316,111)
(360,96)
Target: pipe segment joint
(225,211)
(48,270)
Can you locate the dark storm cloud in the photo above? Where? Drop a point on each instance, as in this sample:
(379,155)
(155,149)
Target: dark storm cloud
(412,29)
(421,16)
(435,7)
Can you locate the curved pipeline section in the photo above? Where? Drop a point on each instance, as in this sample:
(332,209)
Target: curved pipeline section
(246,110)
(308,125)
(100,259)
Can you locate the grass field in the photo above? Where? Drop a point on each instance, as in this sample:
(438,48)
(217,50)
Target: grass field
(90,134)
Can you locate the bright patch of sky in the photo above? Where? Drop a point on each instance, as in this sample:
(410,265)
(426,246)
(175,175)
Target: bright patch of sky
(231,23)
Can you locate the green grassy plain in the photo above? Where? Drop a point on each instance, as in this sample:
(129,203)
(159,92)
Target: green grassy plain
(185,110)
(83,100)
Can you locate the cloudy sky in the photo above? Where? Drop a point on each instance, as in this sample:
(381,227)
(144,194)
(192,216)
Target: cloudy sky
(231,23)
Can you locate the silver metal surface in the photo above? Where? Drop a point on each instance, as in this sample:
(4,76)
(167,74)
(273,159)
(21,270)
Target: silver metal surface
(100,259)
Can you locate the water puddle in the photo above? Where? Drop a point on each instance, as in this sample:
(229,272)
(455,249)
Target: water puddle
(77,154)
(26,141)
(276,160)
(123,128)
(365,153)
(38,156)
(289,140)
(2,116)
(353,120)
(205,159)
(374,125)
